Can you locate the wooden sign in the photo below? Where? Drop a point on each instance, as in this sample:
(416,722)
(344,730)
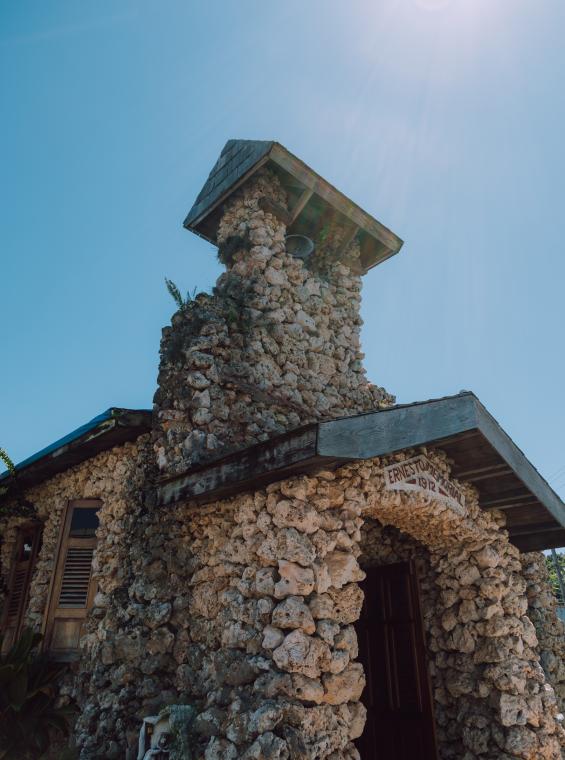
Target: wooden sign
(422,476)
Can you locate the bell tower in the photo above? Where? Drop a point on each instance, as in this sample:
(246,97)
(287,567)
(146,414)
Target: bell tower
(276,345)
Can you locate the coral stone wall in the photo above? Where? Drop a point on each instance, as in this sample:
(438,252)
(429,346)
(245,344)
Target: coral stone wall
(245,608)
(275,346)
(549,628)
(492,697)
(117,477)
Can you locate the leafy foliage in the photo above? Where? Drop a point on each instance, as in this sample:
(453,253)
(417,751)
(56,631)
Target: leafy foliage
(10,466)
(28,692)
(177,297)
(18,506)
(554,580)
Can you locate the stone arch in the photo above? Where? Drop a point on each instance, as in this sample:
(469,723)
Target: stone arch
(491,696)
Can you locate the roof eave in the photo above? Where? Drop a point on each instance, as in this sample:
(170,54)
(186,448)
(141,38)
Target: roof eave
(387,242)
(536,514)
(111,428)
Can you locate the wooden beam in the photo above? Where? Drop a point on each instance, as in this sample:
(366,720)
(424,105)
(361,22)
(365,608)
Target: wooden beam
(401,427)
(346,242)
(381,433)
(525,471)
(300,205)
(529,529)
(248,469)
(537,542)
(512,505)
(490,475)
(464,474)
(340,202)
(274,208)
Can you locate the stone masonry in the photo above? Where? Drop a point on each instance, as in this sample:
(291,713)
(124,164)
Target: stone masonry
(275,346)
(549,628)
(245,608)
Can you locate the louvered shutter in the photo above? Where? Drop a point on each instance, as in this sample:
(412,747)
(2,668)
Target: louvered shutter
(27,545)
(73,588)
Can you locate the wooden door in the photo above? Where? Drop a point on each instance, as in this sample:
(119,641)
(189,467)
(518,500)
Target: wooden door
(28,539)
(400,724)
(73,589)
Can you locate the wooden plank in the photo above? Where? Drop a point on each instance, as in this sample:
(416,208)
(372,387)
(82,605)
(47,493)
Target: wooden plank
(402,427)
(126,426)
(63,624)
(505,505)
(479,471)
(271,207)
(529,530)
(487,475)
(271,460)
(512,482)
(524,470)
(300,205)
(504,498)
(537,542)
(321,187)
(346,242)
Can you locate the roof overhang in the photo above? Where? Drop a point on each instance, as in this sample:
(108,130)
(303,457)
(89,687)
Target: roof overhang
(482,454)
(109,429)
(312,200)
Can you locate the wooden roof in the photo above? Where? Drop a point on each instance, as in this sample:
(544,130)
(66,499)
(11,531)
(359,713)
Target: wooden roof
(106,430)
(482,454)
(312,201)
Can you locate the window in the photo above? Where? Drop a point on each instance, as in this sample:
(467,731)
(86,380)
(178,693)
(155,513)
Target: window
(28,539)
(72,590)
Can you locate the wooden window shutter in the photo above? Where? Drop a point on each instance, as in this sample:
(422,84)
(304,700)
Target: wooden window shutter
(27,546)
(72,589)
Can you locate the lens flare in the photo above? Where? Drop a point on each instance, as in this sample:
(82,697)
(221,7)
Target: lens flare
(432,5)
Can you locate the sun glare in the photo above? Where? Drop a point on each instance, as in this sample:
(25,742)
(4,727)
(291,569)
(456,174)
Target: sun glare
(433,5)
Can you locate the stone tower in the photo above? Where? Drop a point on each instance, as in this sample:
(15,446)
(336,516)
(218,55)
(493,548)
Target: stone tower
(276,345)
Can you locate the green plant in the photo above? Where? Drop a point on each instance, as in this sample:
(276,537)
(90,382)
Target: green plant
(28,693)
(552,572)
(10,466)
(176,295)
(17,506)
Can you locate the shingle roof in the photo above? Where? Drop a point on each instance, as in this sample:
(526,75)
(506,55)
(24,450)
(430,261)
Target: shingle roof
(237,157)
(111,428)
(481,453)
(240,159)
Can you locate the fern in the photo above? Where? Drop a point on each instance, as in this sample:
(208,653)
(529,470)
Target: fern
(10,466)
(176,295)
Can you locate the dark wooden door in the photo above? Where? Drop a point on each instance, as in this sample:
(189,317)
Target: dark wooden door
(400,724)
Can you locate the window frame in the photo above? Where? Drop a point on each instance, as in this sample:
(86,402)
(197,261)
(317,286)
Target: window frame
(35,526)
(53,612)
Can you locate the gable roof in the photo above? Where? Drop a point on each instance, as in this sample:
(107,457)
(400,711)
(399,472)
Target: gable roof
(111,428)
(482,454)
(312,199)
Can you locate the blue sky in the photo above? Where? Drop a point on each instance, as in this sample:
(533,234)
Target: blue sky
(445,119)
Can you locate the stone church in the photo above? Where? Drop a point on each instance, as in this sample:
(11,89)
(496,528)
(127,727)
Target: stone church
(319,572)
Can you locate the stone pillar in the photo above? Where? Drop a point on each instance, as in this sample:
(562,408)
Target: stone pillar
(272,599)
(276,344)
(549,628)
